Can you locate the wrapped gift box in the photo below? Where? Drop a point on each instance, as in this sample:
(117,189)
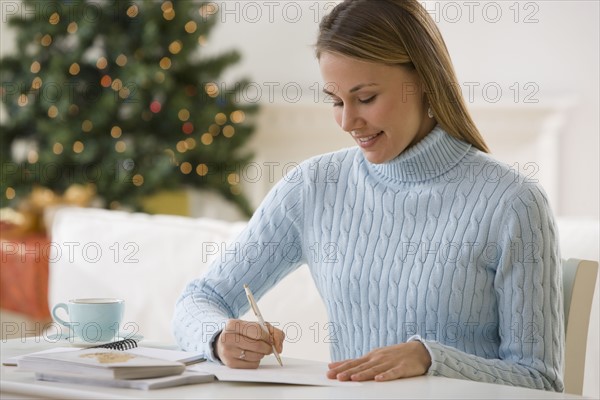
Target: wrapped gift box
(24,273)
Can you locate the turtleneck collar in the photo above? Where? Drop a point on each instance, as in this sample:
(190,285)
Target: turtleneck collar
(431,157)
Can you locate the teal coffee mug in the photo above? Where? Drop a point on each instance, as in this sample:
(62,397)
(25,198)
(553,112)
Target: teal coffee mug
(92,320)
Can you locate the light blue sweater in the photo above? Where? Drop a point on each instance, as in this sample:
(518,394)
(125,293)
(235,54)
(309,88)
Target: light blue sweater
(442,244)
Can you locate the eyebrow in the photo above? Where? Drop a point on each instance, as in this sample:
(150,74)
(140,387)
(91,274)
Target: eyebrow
(354,89)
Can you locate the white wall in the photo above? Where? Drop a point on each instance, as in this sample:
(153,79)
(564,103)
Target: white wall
(559,54)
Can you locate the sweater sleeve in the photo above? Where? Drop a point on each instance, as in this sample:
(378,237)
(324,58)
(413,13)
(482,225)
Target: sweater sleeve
(268,248)
(528,289)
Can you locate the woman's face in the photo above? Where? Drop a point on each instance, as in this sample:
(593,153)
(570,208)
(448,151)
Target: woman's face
(381,106)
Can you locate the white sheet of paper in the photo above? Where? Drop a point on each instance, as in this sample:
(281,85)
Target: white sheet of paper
(295,372)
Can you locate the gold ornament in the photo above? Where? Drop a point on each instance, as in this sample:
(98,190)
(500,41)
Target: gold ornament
(79,195)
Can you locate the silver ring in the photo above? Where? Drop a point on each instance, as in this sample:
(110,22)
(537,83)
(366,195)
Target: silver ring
(243,355)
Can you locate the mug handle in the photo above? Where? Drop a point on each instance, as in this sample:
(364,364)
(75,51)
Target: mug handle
(56,317)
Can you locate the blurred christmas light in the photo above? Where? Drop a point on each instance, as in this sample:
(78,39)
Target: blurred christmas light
(57,148)
(155,107)
(37,83)
(52,111)
(233,179)
(206,139)
(191,27)
(73,109)
(202,40)
(78,147)
(183,114)
(169,15)
(187,128)
(116,85)
(116,132)
(87,125)
(138,180)
(121,60)
(236,190)
(10,193)
(186,167)
(166,6)
(35,67)
(72,28)
(46,40)
(101,63)
(132,11)
(175,47)
(32,157)
(190,143)
(228,131)
(54,18)
(220,118)
(165,63)
(181,146)
(120,146)
(74,69)
(106,81)
(211,89)
(23,100)
(124,93)
(237,116)
(214,129)
(202,169)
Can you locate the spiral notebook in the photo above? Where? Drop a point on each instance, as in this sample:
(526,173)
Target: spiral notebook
(124,344)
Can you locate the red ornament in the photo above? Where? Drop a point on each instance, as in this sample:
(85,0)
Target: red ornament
(106,81)
(188,128)
(155,107)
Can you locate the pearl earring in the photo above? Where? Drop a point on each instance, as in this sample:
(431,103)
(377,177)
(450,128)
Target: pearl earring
(429,112)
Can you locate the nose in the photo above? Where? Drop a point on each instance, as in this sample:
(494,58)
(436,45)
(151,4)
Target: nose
(350,119)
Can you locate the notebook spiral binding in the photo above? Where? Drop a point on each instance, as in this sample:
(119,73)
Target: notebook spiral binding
(121,345)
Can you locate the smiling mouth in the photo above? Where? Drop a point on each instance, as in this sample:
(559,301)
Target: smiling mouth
(366,140)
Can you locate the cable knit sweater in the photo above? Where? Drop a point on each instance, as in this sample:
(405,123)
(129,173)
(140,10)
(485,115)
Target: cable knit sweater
(442,244)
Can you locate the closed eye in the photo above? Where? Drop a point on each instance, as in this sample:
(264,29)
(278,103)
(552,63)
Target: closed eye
(367,101)
(333,100)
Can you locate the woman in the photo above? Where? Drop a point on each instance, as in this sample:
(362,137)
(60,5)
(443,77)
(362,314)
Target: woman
(447,260)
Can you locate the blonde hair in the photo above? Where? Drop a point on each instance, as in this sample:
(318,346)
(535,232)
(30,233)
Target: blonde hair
(401,32)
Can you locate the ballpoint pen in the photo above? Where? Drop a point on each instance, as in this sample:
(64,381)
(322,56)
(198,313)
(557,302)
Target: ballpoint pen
(260,319)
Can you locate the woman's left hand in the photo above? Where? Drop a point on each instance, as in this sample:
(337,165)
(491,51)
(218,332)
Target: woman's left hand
(384,364)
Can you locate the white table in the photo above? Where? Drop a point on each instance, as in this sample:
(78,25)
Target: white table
(19,385)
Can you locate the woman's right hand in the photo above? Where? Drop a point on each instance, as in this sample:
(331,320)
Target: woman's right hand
(243,344)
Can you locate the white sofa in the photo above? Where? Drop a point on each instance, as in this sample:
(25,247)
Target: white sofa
(147,260)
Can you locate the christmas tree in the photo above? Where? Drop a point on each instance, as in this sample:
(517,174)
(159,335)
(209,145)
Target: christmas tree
(117,95)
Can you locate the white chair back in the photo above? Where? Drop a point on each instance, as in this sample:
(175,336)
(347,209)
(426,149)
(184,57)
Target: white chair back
(579,281)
